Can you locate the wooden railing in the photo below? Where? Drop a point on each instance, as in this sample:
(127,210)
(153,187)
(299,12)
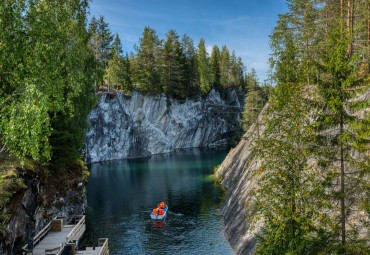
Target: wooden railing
(103,242)
(78,230)
(25,250)
(101,249)
(41,234)
(37,238)
(55,251)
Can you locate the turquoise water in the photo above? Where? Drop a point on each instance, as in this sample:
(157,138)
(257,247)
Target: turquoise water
(121,195)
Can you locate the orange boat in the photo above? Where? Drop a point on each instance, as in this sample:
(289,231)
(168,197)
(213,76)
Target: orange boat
(159,212)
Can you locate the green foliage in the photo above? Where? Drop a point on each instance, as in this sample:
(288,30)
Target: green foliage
(147,62)
(118,73)
(100,43)
(215,67)
(253,101)
(45,68)
(9,184)
(116,47)
(291,196)
(215,168)
(313,187)
(105,39)
(235,72)
(339,83)
(225,66)
(172,67)
(190,72)
(204,68)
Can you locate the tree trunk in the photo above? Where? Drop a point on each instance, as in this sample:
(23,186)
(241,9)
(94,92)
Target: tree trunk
(368,26)
(341,19)
(349,28)
(326,18)
(342,197)
(308,66)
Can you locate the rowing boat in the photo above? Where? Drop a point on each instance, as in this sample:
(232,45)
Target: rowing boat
(159,217)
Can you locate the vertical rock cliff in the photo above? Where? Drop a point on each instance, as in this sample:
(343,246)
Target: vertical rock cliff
(139,125)
(235,172)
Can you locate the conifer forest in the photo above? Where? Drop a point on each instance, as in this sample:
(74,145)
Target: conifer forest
(312,112)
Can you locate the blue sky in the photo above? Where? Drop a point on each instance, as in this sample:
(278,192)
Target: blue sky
(242,25)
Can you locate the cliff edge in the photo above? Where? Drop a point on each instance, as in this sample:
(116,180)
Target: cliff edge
(134,126)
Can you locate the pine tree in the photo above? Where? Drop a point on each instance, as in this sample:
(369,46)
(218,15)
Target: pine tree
(322,33)
(115,73)
(302,14)
(341,132)
(204,68)
(215,67)
(100,40)
(293,195)
(105,40)
(225,66)
(172,78)
(252,102)
(234,72)
(94,36)
(116,47)
(241,70)
(190,66)
(290,197)
(147,62)
(118,73)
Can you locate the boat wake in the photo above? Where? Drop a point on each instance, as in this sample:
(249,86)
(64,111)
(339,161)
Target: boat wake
(176,214)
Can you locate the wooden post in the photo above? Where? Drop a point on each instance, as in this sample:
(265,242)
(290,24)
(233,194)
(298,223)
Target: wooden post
(57,225)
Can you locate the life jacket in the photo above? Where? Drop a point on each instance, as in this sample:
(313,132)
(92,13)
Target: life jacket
(155,211)
(160,212)
(163,205)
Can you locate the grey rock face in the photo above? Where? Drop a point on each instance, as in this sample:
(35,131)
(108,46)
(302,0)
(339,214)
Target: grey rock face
(34,207)
(236,172)
(139,125)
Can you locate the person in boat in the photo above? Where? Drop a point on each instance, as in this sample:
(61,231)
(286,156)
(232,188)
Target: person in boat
(160,212)
(163,205)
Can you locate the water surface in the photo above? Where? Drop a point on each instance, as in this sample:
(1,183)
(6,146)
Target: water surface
(121,195)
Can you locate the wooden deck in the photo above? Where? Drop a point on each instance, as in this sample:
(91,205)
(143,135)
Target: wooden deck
(53,240)
(55,236)
(102,248)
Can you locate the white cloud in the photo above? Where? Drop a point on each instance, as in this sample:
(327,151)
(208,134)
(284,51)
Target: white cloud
(209,49)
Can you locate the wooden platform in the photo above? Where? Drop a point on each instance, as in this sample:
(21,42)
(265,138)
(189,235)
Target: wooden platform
(90,251)
(55,236)
(53,240)
(102,248)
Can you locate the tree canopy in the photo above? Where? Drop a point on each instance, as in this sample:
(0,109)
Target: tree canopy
(314,174)
(46,75)
(171,65)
